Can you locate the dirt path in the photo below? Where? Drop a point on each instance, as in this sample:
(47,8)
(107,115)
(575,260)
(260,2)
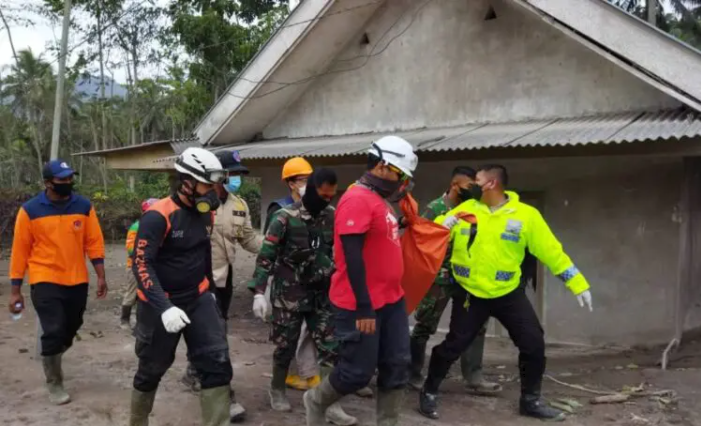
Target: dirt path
(100,367)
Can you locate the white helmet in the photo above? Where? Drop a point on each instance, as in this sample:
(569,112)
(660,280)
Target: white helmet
(201,165)
(397,152)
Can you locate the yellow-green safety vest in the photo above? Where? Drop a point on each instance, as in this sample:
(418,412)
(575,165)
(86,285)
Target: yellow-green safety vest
(491,266)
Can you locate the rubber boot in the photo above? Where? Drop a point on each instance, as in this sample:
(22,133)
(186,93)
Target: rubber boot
(531,403)
(124,319)
(278,399)
(296,382)
(54,380)
(141,407)
(317,400)
(237,413)
(471,368)
(418,356)
(215,403)
(334,413)
(388,405)
(428,406)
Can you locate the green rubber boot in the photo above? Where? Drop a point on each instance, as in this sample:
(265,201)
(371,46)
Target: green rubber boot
(141,407)
(318,400)
(388,405)
(278,398)
(54,380)
(215,404)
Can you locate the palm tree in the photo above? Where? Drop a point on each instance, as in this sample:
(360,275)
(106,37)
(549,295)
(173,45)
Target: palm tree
(31,87)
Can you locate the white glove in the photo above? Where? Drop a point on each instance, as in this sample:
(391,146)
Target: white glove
(584,298)
(260,306)
(450,221)
(174,319)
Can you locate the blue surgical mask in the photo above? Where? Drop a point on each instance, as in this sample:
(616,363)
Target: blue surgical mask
(233,184)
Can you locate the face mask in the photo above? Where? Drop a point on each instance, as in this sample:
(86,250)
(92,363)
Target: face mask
(401,192)
(465,194)
(476,191)
(301,191)
(207,202)
(233,184)
(63,189)
(312,201)
(385,188)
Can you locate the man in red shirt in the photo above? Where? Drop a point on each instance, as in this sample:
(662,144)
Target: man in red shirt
(371,322)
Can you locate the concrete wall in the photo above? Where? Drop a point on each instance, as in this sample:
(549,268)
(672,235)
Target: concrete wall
(445,65)
(616,217)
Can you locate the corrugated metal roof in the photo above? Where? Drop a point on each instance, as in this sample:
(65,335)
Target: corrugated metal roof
(598,129)
(180,145)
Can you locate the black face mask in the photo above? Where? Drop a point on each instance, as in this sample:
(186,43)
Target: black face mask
(476,191)
(312,201)
(205,203)
(63,189)
(384,187)
(401,192)
(464,194)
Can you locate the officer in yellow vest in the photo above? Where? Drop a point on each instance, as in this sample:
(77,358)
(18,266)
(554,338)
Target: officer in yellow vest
(488,249)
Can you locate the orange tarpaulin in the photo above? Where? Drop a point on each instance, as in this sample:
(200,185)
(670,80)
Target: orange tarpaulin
(424,245)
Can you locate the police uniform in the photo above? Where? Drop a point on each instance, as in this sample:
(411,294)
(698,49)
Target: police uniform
(232,225)
(485,261)
(430,310)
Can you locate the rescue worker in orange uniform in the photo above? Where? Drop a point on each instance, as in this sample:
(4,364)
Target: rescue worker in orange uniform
(54,232)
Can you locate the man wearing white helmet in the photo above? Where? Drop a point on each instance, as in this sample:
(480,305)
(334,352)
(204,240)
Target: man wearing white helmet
(370,321)
(173,268)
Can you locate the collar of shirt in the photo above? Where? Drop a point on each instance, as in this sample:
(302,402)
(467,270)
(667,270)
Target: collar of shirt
(44,199)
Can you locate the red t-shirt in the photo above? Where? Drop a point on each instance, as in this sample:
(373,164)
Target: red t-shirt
(361,211)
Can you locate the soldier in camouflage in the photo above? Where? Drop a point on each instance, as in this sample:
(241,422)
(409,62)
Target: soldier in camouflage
(298,253)
(429,312)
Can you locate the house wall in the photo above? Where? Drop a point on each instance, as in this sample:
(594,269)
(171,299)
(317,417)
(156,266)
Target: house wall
(617,217)
(445,65)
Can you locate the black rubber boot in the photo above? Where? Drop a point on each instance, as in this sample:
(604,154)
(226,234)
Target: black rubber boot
(124,319)
(428,406)
(418,356)
(531,405)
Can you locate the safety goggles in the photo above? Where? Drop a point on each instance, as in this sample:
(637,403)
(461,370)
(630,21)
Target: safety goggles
(402,176)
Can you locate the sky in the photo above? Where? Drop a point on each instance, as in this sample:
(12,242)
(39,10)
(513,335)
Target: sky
(45,33)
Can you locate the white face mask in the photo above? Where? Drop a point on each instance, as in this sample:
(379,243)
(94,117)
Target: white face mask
(301,190)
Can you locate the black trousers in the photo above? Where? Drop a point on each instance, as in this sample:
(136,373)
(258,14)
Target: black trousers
(225,293)
(360,355)
(207,347)
(515,312)
(60,309)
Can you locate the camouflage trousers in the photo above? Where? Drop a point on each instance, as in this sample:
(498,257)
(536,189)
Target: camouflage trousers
(286,329)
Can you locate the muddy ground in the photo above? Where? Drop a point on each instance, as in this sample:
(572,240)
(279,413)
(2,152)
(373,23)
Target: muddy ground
(99,370)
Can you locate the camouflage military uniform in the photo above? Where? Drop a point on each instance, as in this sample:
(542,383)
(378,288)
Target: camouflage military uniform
(298,253)
(429,313)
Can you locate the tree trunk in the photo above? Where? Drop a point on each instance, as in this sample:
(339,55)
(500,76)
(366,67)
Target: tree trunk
(9,36)
(100,49)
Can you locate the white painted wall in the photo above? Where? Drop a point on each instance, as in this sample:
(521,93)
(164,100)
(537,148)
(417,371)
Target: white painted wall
(616,217)
(450,66)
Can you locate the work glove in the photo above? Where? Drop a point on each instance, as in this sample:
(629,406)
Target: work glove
(260,306)
(584,298)
(450,221)
(174,319)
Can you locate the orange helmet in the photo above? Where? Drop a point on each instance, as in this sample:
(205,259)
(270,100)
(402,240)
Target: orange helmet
(295,167)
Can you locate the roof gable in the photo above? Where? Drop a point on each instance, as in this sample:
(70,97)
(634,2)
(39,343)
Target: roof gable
(318,30)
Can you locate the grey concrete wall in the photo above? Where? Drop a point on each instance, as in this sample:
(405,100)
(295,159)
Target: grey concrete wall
(616,217)
(448,66)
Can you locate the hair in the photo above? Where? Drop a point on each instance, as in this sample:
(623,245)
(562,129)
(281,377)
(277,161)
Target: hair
(498,171)
(464,171)
(322,176)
